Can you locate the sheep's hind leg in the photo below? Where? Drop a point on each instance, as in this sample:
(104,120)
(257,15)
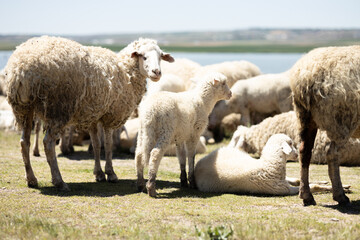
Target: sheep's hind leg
(332,157)
(49,146)
(95,140)
(181,154)
(191,151)
(156,155)
(109,170)
(36,151)
(140,155)
(25,148)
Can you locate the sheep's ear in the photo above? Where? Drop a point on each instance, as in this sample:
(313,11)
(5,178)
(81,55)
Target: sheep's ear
(167,57)
(286,148)
(215,82)
(240,143)
(135,54)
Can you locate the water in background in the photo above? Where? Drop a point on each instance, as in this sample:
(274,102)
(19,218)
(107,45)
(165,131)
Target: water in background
(267,62)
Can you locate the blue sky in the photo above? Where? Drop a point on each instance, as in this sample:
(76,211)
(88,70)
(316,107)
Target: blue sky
(134,16)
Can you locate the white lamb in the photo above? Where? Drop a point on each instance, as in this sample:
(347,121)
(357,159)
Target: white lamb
(175,118)
(264,94)
(232,170)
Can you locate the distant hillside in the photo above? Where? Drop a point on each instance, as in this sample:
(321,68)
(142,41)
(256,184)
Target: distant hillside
(250,40)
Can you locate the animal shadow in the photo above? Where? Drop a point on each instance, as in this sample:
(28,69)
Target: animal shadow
(353,208)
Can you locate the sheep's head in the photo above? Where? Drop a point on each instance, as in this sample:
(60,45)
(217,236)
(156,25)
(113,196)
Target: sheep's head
(283,144)
(149,56)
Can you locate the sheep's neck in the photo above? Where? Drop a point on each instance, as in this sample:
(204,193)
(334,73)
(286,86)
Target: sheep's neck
(207,101)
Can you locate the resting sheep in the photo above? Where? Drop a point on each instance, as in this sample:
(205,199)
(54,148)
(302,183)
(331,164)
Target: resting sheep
(264,94)
(253,139)
(65,83)
(179,118)
(325,85)
(231,170)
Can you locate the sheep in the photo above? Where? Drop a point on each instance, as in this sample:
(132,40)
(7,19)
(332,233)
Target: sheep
(233,70)
(7,120)
(168,82)
(230,122)
(266,94)
(325,86)
(233,171)
(2,83)
(253,139)
(175,118)
(65,83)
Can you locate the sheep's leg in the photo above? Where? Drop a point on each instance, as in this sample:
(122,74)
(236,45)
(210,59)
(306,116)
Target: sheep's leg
(181,155)
(140,154)
(108,139)
(36,151)
(95,140)
(25,146)
(245,117)
(332,157)
(49,146)
(66,145)
(307,134)
(155,157)
(191,151)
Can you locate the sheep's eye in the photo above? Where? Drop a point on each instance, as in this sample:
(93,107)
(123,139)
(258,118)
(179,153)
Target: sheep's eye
(144,58)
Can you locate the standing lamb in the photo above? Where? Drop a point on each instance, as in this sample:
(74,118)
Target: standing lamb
(175,118)
(65,83)
(253,139)
(325,85)
(231,170)
(264,94)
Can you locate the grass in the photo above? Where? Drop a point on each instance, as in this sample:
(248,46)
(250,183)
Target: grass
(116,211)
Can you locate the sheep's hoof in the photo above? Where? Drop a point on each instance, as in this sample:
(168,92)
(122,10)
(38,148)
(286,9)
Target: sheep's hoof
(141,188)
(112,178)
(309,202)
(62,186)
(184,183)
(33,183)
(36,153)
(192,184)
(343,200)
(100,177)
(152,192)
(151,189)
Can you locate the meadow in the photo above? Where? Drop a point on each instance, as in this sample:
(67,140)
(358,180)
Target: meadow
(104,210)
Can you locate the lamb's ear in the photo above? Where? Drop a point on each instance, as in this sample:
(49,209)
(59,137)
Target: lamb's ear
(135,54)
(167,57)
(286,148)
(240,143)
(215,82)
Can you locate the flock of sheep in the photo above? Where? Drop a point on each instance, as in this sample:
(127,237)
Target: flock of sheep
(68,86)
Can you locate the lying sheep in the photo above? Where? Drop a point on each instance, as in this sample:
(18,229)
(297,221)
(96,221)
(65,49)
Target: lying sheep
(175,118)
(64,83)
(325,85)
(232,170)
(253,139)
(7,120)
(264,94)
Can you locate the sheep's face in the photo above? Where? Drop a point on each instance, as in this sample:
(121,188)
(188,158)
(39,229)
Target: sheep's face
(149,62)
(222,89)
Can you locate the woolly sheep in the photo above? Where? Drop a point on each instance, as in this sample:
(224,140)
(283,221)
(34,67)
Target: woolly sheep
(64,83)
(230,170)
(325,85)
(264,94)
(233,70)
(254,138)
(175,118)
(2,83)
(168,82)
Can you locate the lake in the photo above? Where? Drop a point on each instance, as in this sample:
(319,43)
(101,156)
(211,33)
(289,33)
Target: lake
(267,62)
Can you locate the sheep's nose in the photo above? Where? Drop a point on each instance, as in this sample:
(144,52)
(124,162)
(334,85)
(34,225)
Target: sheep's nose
(157,72)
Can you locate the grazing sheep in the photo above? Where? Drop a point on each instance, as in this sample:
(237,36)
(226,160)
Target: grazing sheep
(254,138)
(233,70)
(231,170)
(325,85)
(264,94)
(65,83)
(175,118)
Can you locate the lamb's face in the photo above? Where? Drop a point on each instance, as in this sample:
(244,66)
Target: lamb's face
(287,146)
(222,89)
(149,62)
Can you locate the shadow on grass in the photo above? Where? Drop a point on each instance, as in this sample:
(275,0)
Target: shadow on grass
(353,208)
(85,155)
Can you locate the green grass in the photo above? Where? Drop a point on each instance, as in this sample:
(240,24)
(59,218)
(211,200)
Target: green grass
(116,211)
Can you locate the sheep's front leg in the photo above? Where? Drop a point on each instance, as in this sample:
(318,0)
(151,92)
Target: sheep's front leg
(95,140)
(36,151)
(332,156)
(25,148)
(155,157)
(307,134)
(191,151)
(108,139)
(49,146)
(181,155)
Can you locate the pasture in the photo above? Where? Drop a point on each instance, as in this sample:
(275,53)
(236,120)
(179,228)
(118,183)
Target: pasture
(117,211)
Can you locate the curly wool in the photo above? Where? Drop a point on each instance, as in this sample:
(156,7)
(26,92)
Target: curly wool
(64,82)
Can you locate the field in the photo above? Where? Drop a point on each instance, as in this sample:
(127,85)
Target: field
(116,211)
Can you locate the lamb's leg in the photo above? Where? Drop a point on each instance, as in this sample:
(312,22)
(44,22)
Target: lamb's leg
(156,155)
(108,140)
(191,151)
(307,134)
(95,140)
(49,146)
(36,151)
(25,146)
(181,155)
(332,157)
(139,163)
